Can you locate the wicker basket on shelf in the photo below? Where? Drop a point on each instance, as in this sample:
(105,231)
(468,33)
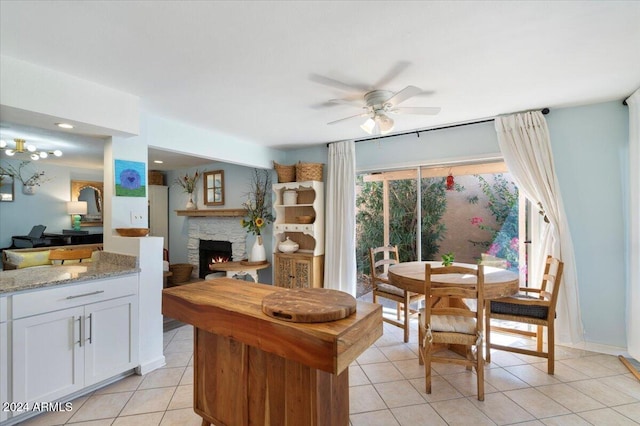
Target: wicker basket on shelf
(181,273)
(308,171)
(285,173)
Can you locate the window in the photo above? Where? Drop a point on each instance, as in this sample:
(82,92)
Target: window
(476,214)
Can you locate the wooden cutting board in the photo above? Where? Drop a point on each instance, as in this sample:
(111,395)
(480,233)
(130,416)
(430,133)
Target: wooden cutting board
(309,305)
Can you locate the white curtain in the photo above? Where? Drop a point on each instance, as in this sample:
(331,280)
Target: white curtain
(633,299)
(340,235)
(526,146)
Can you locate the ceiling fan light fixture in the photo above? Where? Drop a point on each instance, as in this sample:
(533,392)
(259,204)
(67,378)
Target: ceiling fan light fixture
(369,126)
(384,123)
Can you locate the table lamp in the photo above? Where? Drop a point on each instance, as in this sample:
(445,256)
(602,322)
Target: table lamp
(75,209)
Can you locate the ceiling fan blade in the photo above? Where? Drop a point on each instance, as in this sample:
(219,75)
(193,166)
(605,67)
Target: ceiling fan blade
(403,95)
(327,81)
(395,71)
(366,114)
(357,102)
(416,110)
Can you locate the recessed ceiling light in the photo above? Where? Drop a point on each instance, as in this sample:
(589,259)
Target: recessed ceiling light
(64,125)
(158,161)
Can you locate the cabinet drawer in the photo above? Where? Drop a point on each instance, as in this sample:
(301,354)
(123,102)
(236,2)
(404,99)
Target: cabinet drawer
(291,227)
(53,299)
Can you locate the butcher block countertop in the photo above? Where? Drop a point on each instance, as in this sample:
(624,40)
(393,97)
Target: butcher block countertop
(233,309)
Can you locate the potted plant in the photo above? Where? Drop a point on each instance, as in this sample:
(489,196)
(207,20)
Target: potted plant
(447,259)
(259,215)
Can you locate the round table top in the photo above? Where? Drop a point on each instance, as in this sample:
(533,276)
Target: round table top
(497,282)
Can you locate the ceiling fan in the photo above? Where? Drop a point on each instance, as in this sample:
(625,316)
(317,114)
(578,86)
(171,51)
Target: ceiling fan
(379,103)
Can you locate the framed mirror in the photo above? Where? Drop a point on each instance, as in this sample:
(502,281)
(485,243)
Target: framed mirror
(6,187)
(214,188)
(92,193)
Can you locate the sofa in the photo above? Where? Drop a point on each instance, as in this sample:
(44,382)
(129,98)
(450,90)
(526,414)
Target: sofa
(39,256)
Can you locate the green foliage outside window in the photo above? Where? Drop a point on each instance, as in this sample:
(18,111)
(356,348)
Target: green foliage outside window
(402,216)
(503,205)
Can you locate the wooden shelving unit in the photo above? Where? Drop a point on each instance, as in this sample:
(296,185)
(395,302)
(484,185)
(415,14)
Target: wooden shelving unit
(303,268)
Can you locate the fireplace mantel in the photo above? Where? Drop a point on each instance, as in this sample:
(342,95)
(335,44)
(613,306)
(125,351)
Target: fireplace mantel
(213,213)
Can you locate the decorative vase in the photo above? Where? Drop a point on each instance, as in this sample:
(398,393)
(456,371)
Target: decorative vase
(258,253)
(29,189)
(190,204)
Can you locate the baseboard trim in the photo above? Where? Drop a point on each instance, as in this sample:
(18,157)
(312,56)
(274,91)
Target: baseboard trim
(597,347)
(148,367)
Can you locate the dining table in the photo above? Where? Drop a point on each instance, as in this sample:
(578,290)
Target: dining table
(410,276)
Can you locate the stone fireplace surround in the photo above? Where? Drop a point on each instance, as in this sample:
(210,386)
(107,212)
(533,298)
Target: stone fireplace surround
(215,228)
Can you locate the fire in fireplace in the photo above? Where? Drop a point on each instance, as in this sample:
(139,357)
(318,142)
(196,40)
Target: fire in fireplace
(213,251)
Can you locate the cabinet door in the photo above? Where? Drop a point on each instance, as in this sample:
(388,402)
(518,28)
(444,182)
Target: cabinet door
(47,355)
(302,273)
(109,341)
(283,271)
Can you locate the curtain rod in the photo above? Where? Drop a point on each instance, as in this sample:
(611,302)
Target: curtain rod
(545,111)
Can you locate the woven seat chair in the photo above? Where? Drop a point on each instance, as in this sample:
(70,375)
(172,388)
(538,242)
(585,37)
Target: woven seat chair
(538,309)
(447,320)
(380,258)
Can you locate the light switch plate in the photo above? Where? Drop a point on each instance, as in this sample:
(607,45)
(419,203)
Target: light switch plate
(137,219)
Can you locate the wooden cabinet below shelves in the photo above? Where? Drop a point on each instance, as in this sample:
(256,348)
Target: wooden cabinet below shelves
(298,270)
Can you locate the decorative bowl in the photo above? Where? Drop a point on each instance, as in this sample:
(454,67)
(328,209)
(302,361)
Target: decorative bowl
(305,219)
(288,246)
(132,232)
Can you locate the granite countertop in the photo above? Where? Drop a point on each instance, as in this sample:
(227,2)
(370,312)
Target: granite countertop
(107,265)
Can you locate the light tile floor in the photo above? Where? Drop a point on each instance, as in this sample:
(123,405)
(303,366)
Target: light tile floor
(387,388)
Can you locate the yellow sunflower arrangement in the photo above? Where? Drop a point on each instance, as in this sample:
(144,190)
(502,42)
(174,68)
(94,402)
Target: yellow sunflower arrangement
(258,204)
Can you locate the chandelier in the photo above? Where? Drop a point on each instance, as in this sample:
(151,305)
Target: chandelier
(23,148)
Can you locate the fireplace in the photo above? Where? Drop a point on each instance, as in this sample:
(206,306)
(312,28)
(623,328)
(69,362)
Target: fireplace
(213,251)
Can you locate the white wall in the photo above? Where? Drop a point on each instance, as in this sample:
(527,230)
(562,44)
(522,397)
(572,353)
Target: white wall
(590,149)
(174,136)
(51,94)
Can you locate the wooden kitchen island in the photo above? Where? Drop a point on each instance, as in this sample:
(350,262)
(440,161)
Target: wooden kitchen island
(250,368)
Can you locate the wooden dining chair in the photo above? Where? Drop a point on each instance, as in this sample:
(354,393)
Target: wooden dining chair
(63,255)
(534,306)
(380,259)
(447,320)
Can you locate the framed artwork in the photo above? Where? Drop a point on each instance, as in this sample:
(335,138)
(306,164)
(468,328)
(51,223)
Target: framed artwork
(130,178)
(6,188)
(214,188)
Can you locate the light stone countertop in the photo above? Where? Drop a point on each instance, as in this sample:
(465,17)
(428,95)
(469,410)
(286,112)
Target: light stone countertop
(107,265)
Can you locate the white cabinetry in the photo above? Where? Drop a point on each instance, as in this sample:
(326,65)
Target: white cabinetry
(69,337)
(159,212)
(47,356)
(303,268)
(4,357)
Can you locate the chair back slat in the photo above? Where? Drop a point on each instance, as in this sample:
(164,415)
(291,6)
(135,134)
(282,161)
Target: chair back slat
(380,265)
(70,254)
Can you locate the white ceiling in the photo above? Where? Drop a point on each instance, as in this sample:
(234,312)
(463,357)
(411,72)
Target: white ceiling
(247,68)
